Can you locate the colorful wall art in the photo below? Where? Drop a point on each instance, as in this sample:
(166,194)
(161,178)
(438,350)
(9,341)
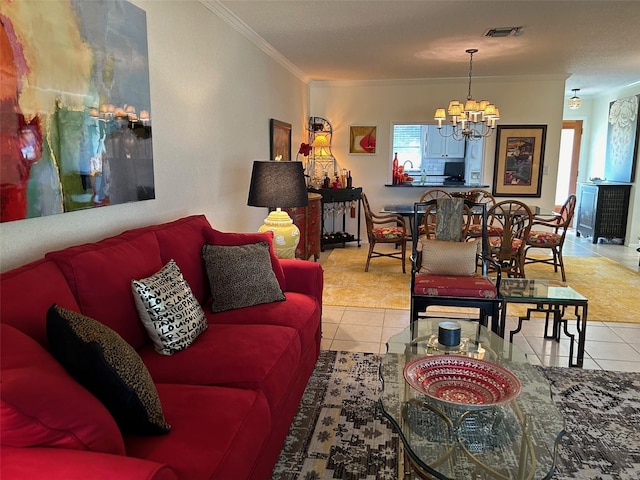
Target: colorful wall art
(75,109)
(622,140)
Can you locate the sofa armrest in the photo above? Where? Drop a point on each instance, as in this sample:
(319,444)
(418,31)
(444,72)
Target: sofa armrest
(67,464)
(303,277)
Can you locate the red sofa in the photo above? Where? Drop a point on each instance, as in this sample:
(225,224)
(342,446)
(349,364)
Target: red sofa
(229,397)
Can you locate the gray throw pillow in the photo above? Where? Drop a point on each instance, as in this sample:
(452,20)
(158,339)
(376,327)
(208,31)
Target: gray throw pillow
(240,276)
(168,309)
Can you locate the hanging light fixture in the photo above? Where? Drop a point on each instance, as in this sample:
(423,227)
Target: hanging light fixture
(470,119)
(574,102)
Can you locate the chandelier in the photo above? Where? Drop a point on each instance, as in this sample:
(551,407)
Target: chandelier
(574,102)
(470,119)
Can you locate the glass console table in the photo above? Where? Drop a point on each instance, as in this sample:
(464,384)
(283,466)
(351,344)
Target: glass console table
(517,440)
(551,298)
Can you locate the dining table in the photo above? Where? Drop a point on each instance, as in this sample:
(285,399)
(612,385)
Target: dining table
(408,210)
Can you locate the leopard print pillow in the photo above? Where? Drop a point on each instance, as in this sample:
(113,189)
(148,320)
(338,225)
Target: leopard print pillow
(240,276)
(100,360)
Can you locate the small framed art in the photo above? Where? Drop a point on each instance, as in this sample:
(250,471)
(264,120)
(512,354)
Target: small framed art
(519,160)
(279,140)
(362,139)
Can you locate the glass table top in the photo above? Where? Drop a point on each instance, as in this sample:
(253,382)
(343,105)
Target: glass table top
(537,290)
(517,440)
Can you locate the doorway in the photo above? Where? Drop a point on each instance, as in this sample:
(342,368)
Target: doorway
(567,180)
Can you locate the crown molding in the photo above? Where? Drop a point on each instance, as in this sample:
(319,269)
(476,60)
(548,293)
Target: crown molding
(436,81)
(238,25)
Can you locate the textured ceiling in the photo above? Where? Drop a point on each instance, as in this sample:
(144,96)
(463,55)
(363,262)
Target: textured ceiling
(596,44)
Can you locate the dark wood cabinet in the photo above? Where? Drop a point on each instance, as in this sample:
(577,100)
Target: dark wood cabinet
(603,210)
(309,220)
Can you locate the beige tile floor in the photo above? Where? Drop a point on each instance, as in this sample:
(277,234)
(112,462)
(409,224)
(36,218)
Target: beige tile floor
(609,346)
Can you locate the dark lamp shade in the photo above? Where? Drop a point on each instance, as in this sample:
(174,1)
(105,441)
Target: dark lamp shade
(277,185)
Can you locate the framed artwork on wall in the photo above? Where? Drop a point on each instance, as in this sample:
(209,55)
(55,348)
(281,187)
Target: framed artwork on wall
(519,160)
(362,139)
(84,119)
(279,140)
(622,140)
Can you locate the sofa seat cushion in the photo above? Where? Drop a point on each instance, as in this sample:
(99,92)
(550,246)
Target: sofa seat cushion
(217,432)
(100,274)
(42,405)
(261,357)
(300,312)
(443,286)
(28,312)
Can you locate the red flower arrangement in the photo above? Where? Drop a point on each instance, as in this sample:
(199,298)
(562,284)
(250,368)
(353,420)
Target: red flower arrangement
(305,149)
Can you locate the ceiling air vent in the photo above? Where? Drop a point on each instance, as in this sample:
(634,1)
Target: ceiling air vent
(501,32)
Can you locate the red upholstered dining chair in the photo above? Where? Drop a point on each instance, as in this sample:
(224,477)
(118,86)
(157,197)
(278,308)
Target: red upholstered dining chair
(553,238)
(449,271)
(385,228)
(514,218)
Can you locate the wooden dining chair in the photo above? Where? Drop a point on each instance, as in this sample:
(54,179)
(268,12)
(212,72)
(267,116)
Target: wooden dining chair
(552,238)
(385,228)
(493,228)
(514,218)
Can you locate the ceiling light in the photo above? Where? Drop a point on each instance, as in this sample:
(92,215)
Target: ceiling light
(470,119)
(574,102)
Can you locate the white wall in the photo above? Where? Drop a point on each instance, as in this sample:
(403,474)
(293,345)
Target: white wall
(522,101)
(212,93)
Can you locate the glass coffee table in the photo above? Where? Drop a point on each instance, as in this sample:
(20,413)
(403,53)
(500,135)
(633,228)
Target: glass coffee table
(515,440)
(551,298)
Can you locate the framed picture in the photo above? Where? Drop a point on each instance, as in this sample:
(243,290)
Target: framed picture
(280,140)
(362,139)
(519,160)
(622,140)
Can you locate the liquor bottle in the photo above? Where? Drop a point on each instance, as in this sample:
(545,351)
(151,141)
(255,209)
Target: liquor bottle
(395,169)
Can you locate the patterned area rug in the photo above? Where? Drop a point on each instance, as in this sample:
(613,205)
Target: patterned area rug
(338,432)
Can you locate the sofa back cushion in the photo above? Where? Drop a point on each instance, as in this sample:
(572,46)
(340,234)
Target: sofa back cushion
(42,405)
(182,241)
(100,275)
(27,292)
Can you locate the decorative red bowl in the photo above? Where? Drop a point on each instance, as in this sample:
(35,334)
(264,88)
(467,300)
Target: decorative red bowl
(462,381)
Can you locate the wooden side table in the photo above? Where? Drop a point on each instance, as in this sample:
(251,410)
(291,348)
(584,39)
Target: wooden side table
(308,220)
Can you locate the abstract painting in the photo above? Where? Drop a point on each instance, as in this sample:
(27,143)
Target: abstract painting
(362,139)
(622,140)
(75,107)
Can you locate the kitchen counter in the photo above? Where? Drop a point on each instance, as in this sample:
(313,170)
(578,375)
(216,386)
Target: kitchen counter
(437,184)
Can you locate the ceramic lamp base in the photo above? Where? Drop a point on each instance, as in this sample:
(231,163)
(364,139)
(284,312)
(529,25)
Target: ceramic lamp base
(286,234)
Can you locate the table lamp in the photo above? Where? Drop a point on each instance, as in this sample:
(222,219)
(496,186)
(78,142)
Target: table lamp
(279,185)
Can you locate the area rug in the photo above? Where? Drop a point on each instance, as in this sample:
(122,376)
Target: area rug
(338,432)
(612,289)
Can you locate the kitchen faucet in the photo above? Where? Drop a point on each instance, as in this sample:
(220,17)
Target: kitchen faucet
(404,165)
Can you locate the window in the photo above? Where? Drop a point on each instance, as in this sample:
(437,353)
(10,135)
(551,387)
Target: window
(407,143)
